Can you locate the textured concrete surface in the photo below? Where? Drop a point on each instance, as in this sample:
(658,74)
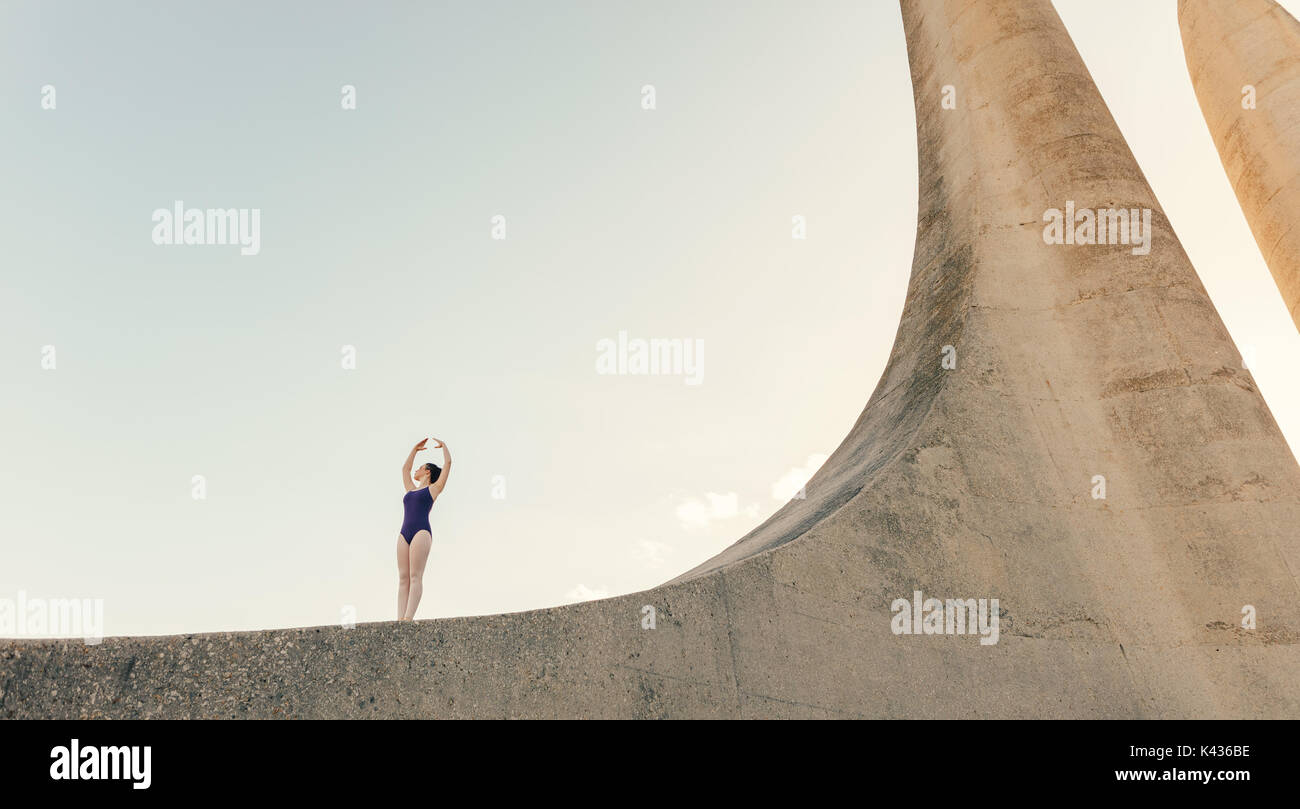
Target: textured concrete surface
(1229,45)
(1072,361)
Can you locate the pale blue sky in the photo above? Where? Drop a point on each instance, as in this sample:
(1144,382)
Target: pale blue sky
(176,361)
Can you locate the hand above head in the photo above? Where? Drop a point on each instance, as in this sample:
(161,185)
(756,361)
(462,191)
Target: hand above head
(446,465)
(420,445)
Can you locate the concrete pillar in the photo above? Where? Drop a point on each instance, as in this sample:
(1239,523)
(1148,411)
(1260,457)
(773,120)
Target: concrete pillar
(1244,60)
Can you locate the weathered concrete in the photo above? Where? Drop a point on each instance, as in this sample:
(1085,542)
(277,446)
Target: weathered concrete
(1229,45)
(1072,361)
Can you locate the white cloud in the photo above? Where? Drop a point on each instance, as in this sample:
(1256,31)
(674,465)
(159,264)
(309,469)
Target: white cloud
(651,553)
(697,513)
(789,484)
(584,593)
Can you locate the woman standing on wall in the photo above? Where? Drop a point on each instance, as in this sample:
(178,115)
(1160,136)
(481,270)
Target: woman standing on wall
(416,536)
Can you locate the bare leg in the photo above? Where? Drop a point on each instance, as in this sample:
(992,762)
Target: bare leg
(403,575)
(419,555)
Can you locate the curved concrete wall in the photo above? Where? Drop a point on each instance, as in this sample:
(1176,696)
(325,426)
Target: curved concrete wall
(1228,46)
(1073,361)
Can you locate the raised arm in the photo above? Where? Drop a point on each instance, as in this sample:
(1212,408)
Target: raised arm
(441,483)
(407,483)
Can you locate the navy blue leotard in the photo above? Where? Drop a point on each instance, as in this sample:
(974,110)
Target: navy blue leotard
(416,503)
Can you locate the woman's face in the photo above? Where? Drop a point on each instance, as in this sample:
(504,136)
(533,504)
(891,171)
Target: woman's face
(422,475)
